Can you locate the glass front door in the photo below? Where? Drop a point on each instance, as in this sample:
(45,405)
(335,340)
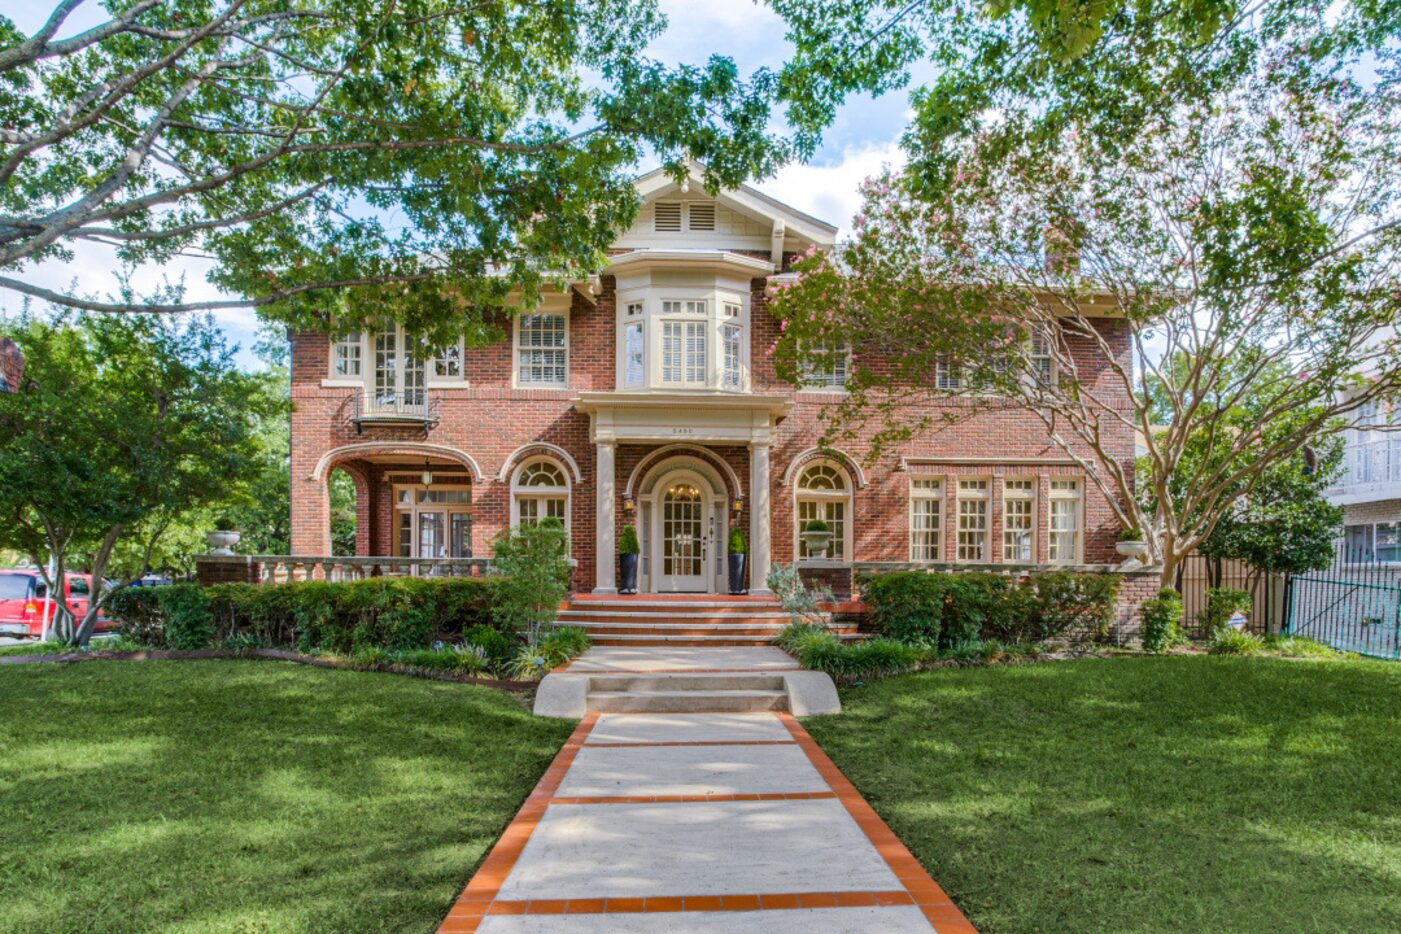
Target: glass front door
(683,539)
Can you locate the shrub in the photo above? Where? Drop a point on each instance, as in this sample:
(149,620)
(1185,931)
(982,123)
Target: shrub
(816,525)
(1299,647)
(1229,641)
(564,643)
(1131,535)
(497,647)
(906,606)
(1221,604)
(627,541)
(800,601)
(390,613)
(737,544)
(529,663)
(954,609)
(534,569)
(459,659)
(1162,618)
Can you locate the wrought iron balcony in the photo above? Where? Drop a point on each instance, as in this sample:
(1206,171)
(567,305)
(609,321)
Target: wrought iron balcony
(414,407)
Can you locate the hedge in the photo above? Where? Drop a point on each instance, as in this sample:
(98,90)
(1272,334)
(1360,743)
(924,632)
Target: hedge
(956,609)
(395,613)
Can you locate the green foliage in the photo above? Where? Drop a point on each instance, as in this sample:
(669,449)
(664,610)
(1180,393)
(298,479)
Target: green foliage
(737,544)
(801,602)
(1229,641)
(564,643)
(454,659)
(388,613)
(496,646)
(1162,620)
(420,163)
(954,609)
(534,571)
(1131,535)
(123,427)
(816,525)
(529,663)
(818,649)
(1221,604)
(627,541)
(1298,647)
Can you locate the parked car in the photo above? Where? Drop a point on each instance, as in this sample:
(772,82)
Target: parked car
(22,593)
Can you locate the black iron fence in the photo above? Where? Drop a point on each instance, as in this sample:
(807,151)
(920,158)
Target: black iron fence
(1354,605)
(1199,573)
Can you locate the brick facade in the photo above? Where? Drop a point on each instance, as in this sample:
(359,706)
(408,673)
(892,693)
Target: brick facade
(11,365)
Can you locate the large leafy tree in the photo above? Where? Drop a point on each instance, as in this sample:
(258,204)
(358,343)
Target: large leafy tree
(122,426)
(429,156)
(1236,240)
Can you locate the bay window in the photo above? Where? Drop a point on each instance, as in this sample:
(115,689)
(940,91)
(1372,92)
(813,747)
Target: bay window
(682,343)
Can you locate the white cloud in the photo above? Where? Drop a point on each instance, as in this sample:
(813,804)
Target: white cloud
(829,190)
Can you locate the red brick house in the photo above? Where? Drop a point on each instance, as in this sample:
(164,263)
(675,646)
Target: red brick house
(11,365)
(647,396)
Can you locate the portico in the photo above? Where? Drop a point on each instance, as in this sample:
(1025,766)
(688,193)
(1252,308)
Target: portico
(684,491)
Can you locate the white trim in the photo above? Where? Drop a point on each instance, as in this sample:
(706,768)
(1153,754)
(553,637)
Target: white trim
(516,347)
(657,183)
(670,450)
(851,464)
(346,452)
(936,495)
(342,382)
(544,446)
(846,497)
(1078,498)
(543,492)
(914,460)
(714,518)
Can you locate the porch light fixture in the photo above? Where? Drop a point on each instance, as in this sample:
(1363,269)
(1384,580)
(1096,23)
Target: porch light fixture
(737,505)
(427,475)
(628,504)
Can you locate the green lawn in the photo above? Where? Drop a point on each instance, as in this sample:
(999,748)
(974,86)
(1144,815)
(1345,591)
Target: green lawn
(250,796)
(1146,794)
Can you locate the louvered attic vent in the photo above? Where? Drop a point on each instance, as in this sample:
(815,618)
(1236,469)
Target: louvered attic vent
(702,217)
(668,217)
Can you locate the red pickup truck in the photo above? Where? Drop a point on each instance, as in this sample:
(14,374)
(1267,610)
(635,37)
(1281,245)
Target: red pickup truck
(22,602)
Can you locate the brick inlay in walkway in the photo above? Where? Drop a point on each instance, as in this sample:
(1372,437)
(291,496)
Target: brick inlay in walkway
(734,823)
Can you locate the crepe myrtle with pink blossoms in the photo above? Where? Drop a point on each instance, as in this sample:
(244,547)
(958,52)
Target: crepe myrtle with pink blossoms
(1249,242)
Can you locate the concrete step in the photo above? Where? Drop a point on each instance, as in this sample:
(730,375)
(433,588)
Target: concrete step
(685,701)
(676,681)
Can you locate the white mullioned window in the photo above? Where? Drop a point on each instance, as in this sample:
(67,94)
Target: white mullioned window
(1040,356)
(539,490)
(1019,521)
(823,492)
(828,367)
(926,519)
(972,520)
(948,375)
(732,335)
(542,349)
(1067,531)
(345,355)
(447,363)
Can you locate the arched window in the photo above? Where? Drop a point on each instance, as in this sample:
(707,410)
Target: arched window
(540,489)
(824,492)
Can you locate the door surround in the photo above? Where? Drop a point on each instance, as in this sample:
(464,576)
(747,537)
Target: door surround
(651,520)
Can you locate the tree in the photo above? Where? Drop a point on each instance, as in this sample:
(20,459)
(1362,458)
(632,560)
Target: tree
(1244,245)
(122,426)
(533,566)
(428,156)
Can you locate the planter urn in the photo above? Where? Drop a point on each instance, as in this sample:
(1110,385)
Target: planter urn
(737,562)
(627,566)
(221,542)
(818,543)
(1137,550)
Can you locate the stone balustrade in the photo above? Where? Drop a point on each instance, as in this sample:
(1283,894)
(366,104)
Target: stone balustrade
(282,569)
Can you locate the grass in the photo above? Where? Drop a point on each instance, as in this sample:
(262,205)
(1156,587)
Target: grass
(1184,793)
(251,795)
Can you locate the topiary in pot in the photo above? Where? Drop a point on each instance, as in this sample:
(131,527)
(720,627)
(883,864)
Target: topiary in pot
(738,556)
(628,549)
(817,536)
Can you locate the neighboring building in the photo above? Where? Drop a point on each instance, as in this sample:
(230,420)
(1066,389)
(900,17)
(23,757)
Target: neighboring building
(11,365)
(648,396)
(1370,488)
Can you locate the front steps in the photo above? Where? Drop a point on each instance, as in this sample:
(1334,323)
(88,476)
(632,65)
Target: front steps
(685,693)
(679,620)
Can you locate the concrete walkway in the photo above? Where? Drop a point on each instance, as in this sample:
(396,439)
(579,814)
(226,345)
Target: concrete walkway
(698,822)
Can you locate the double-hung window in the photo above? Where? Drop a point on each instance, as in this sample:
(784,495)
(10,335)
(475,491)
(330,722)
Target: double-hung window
(683,342)
(972,520)
(1066,527)
(732,338)
(1018,520)
(1040,357)
(827,366)
(948,375)
(542,349)
(345,355)
(926,519)
(634,345)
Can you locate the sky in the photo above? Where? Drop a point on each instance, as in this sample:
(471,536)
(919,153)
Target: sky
(864,137)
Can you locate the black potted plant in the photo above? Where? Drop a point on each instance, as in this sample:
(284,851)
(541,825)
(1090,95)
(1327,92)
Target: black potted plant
(739,551)
(627,558)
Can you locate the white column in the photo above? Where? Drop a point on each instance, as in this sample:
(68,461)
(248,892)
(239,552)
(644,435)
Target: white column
(605,549)
(759,542)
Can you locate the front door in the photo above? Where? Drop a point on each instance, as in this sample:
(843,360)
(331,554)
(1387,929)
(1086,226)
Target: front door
(684,523)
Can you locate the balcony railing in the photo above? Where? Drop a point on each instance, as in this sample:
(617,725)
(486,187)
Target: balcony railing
(1371,462)
(414,407)
(282,569)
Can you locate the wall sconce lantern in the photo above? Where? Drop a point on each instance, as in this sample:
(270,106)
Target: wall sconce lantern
(427,475)
(628,504)
(737,505)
